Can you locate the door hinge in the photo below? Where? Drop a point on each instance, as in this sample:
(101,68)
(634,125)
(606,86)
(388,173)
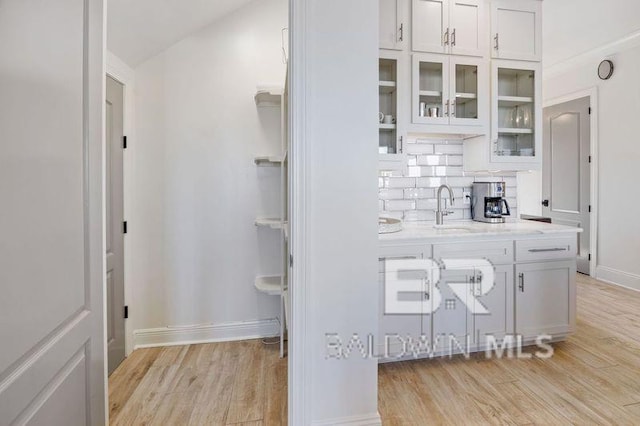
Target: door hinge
(124,227)
(126,312)
(589,110)
(589,159)
(124,142)
(589,208)
(589,257)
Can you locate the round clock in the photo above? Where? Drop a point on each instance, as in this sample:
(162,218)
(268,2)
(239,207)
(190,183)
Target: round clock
(605,70)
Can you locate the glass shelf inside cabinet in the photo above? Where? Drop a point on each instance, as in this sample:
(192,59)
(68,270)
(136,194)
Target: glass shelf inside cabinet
(466,103)
(431,98)
(516,108)
(388,97)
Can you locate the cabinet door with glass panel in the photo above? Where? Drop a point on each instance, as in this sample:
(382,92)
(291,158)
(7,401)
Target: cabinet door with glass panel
(391,117)
(449,90)
(517,112)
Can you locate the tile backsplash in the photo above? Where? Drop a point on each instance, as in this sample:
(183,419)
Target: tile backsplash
(411,195)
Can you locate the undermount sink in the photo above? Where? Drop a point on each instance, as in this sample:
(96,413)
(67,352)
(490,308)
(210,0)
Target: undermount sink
(454,229)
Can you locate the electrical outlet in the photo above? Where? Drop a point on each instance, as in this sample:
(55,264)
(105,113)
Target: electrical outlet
(466,197)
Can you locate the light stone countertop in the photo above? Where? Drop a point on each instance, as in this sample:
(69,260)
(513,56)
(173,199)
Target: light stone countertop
(465,230)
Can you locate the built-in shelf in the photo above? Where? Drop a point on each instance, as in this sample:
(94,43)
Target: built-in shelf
(270,222)
(515,131)
(431,93)
(269,161)
(463,98)
(514,101)
(269,97)
(269,284)
(387,126)
(387,87)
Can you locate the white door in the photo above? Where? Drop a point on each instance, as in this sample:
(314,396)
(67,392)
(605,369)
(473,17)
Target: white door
(516,29)
(430,26)
(395,327)
(498,320)
(52,366)
(544,292)
(114,208)
(566,172)
(467,27)
(393,28)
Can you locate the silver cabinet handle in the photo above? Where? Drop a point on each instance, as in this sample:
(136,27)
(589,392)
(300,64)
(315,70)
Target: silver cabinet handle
(426,293)
(402,32)
(548,249)
(446,37)
(521,285)
(400,145)
(453,108)
(447,109)
(497,39)
(453,37)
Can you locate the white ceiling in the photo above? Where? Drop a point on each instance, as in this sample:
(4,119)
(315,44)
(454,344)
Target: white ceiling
(140,29)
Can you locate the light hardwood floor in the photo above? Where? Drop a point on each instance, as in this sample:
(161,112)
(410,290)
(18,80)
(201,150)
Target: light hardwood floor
(593,378)
(240,383)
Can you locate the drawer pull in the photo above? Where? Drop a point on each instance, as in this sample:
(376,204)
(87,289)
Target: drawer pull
(521,285)
(548,249)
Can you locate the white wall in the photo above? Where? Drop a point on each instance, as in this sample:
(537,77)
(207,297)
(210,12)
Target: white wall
(196,191)
(597,31)
(339,57)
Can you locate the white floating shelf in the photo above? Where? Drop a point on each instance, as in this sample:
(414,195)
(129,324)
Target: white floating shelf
(513,101)
(273,223)
(269,285)
(431,93)
(515,131)
(269,161)
(269,97)
(387,86)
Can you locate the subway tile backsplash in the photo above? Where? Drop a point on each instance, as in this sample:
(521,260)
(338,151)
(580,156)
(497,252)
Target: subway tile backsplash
(411,195)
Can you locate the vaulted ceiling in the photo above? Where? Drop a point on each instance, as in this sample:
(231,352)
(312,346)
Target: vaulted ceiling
(139,29)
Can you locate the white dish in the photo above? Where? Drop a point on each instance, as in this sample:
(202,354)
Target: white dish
(388,225)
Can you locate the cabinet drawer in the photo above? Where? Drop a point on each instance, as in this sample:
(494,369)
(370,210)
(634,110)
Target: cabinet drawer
(402,252)
(547,249)
(496,252)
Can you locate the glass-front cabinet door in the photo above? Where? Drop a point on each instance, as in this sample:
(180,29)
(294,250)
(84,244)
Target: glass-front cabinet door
(389,136)
(430,78)
(469,90)
(517,112)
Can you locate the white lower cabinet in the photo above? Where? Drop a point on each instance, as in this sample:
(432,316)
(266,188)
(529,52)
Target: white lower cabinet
(455,308)
(396,328)
(498,303)
(545,298)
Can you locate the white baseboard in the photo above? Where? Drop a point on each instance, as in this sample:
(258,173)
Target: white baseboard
(188,335)
(367,420)
(619,278)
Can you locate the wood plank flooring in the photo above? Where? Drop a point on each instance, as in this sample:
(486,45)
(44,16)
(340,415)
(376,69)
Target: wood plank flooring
(593,378)
(239,383)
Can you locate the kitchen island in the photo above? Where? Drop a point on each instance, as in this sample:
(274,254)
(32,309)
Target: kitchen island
(469,286)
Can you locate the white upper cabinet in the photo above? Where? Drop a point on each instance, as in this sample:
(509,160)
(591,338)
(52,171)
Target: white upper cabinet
(429,26)
(467,27)
(448,26)
(516,29)
(393,24)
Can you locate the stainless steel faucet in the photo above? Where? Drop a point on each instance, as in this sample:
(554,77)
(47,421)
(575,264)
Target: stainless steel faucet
(440,214)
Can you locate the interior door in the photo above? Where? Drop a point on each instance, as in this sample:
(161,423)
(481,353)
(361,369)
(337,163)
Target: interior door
(467,23)
(566,176)
(430,26)
(52,369)
(114,208)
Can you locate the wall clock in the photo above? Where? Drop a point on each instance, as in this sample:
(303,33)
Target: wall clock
(605,70)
